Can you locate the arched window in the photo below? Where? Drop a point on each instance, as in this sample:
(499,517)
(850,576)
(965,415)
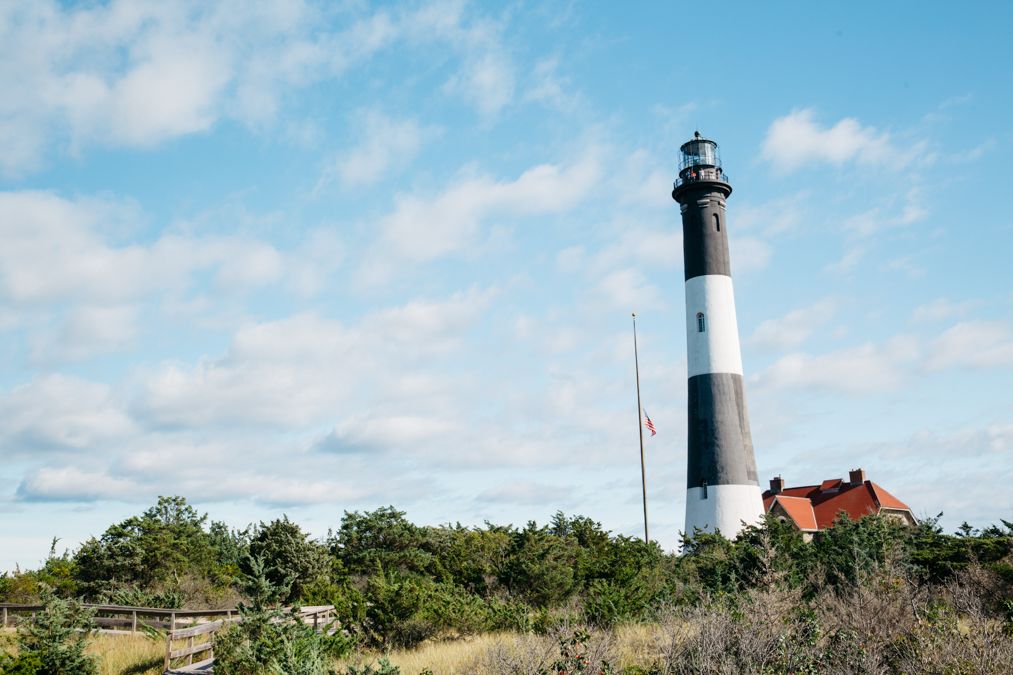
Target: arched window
(701,322)
(717,223)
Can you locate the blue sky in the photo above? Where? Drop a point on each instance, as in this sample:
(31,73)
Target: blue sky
(302,258)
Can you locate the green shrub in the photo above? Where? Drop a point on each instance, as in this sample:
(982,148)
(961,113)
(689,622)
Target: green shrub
(381,667)
(269,641)
(55,639)
(22,664)
(289,557)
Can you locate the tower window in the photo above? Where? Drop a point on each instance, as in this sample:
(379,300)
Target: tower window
(703,484)
(701,322)
(717,223)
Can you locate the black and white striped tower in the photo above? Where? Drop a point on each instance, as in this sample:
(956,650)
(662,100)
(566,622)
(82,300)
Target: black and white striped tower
(722,488)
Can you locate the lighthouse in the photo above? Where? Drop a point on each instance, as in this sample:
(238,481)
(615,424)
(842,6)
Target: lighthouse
(722,490)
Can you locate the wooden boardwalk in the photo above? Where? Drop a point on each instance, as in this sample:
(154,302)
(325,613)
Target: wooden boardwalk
(189,632)
(125,618)
(198,643)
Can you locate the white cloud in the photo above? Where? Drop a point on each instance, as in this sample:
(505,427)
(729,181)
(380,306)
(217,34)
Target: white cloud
(63,254)
(794,328)
(386,432)
(87,331)
(942,309)
(972,344)
(993,439)
(384,144)
(629,289)
(420,229)
(796,140)
(60,413)
(267,483)
(771,218)
(549,89)
(57,249)
(486,81)
(899,211)
(526,492)
(304,369)
(637,247)
(856,370)
(54,484)
(875,367)
(139,74)
(750,254)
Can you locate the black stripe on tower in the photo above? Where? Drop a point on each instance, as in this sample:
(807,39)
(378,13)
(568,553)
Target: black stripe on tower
(720,445)
(704,235)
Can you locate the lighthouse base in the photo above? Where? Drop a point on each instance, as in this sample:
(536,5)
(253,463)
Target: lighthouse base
(724,508)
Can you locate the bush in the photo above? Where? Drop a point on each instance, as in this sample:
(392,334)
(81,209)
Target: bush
(269,641)
(150,552)
(54,640)
(290,558)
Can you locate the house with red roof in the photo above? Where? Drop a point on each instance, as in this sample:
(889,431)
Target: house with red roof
(814,507)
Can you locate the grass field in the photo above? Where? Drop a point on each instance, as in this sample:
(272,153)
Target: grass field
(492,653)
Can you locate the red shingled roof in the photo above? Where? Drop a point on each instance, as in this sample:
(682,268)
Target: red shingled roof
(799,509)
(828,499)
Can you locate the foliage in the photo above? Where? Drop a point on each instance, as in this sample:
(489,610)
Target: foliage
(574,658)
(396,584)
(267,640)
(56,574)
(381,667)
(54,640)
(151,551)
(290,559)
(383,538)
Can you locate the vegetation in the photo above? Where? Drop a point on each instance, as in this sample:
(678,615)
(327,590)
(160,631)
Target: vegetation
(53,641)
(869,595)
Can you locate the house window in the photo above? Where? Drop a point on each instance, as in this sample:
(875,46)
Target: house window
(717,223)
(701,322)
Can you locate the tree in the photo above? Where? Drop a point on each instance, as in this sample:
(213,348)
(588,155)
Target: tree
(55,639)
(163,542)
(540,566)
(383,537)
(268,640)
(290,559)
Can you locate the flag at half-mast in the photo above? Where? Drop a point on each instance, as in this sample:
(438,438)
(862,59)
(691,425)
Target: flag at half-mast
(649,424)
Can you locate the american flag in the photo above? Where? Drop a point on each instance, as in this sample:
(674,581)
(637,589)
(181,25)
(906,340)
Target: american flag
(649,424)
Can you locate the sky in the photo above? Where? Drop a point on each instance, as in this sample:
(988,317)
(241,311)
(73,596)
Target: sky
(299,258)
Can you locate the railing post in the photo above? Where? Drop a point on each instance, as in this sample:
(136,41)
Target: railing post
(189,646)
(5,617)
(168,650)
(172,621)
(133,625)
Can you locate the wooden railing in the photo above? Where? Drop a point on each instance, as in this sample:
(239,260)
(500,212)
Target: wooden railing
(320,617)
(205,647)
(124,618)
(197,631)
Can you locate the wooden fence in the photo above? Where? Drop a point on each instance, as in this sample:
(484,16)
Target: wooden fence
(126,619)
(193,627)
(199,639)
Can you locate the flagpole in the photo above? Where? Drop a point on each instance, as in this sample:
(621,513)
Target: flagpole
(640,427)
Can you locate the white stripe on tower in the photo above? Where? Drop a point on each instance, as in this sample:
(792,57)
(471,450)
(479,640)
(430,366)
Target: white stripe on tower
(716,348)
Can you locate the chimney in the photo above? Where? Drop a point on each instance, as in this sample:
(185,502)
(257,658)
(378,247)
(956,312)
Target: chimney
(776,485)
(856,476)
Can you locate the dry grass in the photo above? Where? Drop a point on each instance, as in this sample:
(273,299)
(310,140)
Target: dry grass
(493,654)
(127,654)
(117,654)
(455,656)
